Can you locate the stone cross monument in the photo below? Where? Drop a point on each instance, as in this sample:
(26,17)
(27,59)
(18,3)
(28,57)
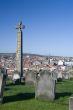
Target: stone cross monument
(19,50)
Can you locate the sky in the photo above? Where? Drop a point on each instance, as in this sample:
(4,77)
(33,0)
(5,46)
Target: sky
(48,26)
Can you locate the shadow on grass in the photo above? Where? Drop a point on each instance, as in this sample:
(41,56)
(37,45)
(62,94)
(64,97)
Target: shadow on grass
(11,84)
(58,95)
(6,89)
(18,97)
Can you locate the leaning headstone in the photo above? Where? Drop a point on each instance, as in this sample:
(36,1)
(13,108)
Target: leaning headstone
(30,77)
(1,88)
(71,103)
(45,86)
(2,83)
(4,72)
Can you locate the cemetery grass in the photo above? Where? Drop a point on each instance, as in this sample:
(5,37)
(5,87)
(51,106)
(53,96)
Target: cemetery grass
(22,97)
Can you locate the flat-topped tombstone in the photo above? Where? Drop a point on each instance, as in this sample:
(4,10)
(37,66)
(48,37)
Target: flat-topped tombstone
(45,86)
(30,77)
(2,83)
(71,103)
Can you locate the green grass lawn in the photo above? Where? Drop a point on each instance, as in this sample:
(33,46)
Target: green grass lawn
(22,97)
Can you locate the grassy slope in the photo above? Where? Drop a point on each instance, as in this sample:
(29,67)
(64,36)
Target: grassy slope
(21,97)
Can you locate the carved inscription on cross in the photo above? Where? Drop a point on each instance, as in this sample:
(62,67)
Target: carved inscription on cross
(20,26)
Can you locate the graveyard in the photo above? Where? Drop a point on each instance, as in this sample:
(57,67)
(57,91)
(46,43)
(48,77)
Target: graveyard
(41,89)
(36,55)
(35,89)
(19,97)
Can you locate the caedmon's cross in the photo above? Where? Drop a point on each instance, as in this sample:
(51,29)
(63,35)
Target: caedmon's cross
(20,26)
(19,50)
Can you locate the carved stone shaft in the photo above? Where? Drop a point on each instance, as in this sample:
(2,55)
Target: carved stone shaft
(19,50)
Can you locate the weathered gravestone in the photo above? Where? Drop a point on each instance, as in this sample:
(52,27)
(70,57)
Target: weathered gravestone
(45,86)
(66,75)
(2,83)
(54,75)
(30,77)
(71,103)
(16,77)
